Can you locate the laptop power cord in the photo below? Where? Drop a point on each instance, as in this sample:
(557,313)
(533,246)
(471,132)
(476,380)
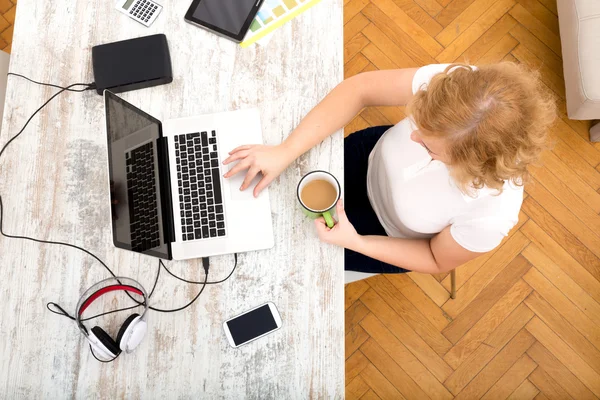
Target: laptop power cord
(205,261)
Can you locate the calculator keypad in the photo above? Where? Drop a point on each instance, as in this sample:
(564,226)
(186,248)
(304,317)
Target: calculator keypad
(143,10)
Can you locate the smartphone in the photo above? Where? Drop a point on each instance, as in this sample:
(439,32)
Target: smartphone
(252,324)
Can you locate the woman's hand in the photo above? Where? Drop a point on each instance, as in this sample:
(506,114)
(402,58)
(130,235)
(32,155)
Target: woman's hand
(268,160)
(342,234)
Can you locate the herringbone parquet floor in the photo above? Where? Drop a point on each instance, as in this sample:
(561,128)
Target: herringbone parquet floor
(526,321)
(7,21)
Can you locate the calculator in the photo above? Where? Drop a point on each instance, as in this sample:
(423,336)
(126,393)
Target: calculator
(143,11)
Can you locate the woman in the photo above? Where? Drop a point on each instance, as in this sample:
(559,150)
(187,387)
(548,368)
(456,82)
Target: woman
(439,188)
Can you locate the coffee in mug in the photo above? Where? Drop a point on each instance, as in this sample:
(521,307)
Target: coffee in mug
(318,193)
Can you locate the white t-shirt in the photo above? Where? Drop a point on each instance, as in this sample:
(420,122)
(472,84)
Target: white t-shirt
(415,197)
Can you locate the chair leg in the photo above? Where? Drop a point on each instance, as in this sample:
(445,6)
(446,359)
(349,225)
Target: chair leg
(453,284)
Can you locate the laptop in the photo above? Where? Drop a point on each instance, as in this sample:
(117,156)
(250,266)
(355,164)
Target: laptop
(168,195)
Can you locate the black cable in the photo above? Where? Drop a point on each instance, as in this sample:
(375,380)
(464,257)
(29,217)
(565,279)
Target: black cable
(201,283)
(102,361)
(91,85)
(88,86)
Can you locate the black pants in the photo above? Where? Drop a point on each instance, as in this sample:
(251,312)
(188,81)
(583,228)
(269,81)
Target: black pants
(357,148)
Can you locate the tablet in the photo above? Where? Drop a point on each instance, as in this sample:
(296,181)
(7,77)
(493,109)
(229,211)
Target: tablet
(229,18)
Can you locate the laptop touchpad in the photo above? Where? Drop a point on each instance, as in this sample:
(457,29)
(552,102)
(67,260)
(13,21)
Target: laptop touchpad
(236,181)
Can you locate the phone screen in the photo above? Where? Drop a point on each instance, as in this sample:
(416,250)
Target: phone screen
(251,325)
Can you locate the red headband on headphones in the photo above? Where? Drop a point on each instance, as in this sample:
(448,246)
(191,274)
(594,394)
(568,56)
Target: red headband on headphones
(108,289)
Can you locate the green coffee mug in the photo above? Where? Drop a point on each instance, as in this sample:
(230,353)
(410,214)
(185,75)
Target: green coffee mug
(325,213)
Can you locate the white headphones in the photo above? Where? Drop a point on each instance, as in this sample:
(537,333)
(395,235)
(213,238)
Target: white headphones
(131,333)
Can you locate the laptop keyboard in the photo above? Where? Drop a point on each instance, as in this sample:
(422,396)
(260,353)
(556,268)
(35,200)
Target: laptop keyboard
(141,196)
(199,183)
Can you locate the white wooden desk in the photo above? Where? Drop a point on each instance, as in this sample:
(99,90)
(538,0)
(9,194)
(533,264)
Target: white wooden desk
(53,181)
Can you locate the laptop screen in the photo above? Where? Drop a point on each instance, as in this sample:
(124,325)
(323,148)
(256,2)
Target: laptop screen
(137,220)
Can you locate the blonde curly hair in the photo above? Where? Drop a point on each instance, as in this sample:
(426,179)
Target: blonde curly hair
(495,119)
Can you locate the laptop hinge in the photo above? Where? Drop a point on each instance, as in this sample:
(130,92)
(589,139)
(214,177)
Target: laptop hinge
(166,199)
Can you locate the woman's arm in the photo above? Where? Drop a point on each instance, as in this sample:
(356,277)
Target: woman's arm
(336,110)
(431,256)
(377,88)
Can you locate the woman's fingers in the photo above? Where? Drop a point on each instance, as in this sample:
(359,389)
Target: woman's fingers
(244,147)
(236,156)
(242,165)
(262,184)
(252,172)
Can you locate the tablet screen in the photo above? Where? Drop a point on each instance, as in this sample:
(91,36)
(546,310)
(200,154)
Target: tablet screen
(227,15)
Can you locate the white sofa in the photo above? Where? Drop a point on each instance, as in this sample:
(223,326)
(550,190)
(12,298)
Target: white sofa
(579,22)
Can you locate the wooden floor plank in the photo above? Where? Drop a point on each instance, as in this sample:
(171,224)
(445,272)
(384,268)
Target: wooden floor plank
(409,337)
(460,24)
(355,45)
(581,146)
(411,315)
(512,379)
(352,8)
(354,339)
(420,300)
(526,391)
(432,7)
(572,213)
(548,37)
(541,13)
(357,124)
(486,299)
(563,282)
(546,385)
(474,32)
(552,312)
(577,185)
(353,27)
(498,51)
(499,365)
(374,117)
(420,16)
(452,11)
(561,374)
(355,65)
(405,359)
(353,291)
(486,274)
(488,349)
(397,35)
(388,47)
(356,388)
(550,5)
(379,384)
(370,395)
(565,354)
(553,81)
(392,114)
(488,39)
(355,364)
(539,49)
(378,58)
(392,371)
(567,263)
(586,172)
(354,314)
(487,324)
(431,287)
(409,26)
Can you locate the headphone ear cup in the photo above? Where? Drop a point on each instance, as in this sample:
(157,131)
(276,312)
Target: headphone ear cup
(131,333)
(105,339)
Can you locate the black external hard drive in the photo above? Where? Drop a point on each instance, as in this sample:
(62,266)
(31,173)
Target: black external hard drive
(132,64)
